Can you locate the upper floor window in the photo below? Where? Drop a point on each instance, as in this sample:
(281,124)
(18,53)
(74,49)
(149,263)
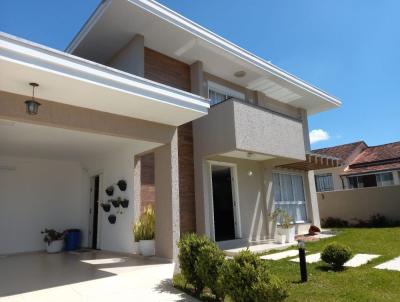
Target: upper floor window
(371,180)
(218,93)
(324,182)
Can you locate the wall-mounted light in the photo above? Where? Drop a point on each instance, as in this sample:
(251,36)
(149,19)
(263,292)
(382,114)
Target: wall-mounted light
(32,106)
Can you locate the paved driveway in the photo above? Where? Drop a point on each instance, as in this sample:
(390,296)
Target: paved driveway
(94,276)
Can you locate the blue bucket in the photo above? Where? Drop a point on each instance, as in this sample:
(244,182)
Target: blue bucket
(73,240)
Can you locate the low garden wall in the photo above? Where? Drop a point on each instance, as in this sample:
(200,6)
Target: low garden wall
(360,203)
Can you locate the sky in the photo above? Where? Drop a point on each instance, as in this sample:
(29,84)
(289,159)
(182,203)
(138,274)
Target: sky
(348,48)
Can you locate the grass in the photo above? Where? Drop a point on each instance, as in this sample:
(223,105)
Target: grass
(353,284)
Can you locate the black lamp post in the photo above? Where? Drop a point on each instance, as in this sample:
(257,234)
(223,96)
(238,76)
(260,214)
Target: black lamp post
(302,258)
(32,106)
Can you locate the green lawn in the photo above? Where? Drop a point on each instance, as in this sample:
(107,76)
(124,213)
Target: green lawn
(354,284)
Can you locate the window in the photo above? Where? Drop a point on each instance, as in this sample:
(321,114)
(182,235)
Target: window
(289,195)
(218,93)
(324,182)
(371,180)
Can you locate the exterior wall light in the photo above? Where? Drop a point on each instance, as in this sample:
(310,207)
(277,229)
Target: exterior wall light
(32,106)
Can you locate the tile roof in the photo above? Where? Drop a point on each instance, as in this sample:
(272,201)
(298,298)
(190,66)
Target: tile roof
(342,151)
(378,153)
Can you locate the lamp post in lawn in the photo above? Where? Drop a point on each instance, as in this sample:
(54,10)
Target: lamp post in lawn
(302,258)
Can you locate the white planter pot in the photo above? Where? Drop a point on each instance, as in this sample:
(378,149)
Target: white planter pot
(147,247)
(55,246)
(281,239)
(290,233)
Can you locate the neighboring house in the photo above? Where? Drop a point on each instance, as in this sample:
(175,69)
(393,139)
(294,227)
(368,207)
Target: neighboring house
(129,100)
(362,166)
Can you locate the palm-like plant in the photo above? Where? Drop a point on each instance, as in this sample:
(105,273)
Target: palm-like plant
(144,228)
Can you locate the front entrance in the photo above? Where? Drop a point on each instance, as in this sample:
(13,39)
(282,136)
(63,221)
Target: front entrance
(223,202)
(94,209)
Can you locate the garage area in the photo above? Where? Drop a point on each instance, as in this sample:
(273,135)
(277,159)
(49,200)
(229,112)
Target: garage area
(45,183)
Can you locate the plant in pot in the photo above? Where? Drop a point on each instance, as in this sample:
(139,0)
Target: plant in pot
(144,232)
(54,240)
(284,224)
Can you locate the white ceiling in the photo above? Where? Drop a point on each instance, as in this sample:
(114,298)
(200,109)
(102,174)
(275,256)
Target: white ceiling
(105,34)
(29,140)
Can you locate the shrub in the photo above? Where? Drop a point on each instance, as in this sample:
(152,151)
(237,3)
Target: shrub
(332,222)
(336,255)
(209,263)
(246,278)
(189,250)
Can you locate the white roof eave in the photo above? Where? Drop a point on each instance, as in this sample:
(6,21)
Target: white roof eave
(208,36)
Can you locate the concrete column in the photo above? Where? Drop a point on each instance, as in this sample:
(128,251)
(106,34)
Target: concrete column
(167,199)
(313,210)
(306,130)
(137,181)
(269,201)
(131,57)
(197,79)
(396,177)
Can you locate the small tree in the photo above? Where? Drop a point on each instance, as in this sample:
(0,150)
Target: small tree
(209,263)
(336,254)
(189,249)
(246,278)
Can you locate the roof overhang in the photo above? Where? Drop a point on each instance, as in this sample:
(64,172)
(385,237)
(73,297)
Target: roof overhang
(314,162)
(71,80)
(114,23)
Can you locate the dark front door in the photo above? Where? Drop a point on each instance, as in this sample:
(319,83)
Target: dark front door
(95,211)
(224,222)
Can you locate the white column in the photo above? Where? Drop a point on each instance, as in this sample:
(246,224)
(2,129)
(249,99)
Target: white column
(396,177)
(313,202)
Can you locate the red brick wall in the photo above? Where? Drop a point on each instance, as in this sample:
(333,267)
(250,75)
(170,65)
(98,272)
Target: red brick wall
(147,190)
(163,69)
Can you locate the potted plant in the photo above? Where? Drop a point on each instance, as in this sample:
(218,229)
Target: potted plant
(144,232)
(116,202)
(54,240)
(284,224)
(106,206)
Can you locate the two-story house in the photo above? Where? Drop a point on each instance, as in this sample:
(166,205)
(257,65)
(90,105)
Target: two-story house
(212,135)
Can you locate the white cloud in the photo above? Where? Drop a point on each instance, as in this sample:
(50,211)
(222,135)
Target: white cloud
(318,135)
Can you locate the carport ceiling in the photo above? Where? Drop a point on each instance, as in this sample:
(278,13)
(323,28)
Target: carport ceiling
(29,140)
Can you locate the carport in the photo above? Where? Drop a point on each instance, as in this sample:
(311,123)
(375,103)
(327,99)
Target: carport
(94,121)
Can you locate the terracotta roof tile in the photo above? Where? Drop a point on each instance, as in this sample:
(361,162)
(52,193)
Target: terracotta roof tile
(342,151)
(378,153)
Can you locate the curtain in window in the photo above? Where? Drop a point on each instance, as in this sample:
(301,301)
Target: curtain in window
(324,182)
(289,195)
(384,179)
(216,97)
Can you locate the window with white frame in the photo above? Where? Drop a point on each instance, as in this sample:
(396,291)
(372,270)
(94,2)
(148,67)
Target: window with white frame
(218,93)
(371,180)
(289,195)
(324,182)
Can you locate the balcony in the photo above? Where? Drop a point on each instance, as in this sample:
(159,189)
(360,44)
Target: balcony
(238,129)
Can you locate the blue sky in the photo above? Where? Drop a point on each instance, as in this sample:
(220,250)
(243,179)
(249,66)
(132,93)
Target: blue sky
(349,48)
